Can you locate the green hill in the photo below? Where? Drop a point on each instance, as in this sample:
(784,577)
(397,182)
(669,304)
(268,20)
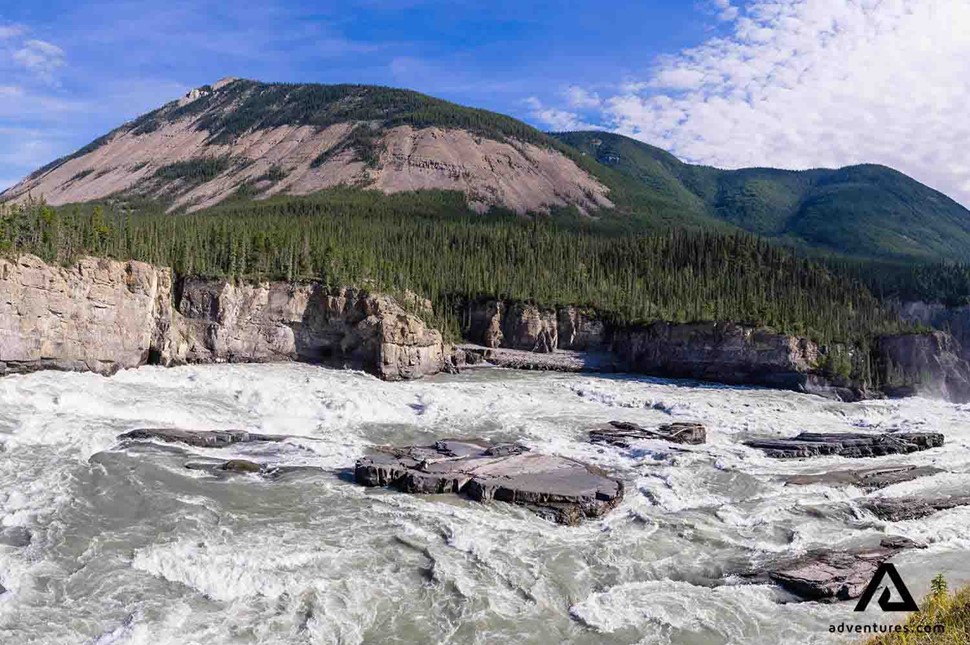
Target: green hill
(862,211)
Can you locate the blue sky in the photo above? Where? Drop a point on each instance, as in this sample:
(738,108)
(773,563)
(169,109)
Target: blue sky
(788,83)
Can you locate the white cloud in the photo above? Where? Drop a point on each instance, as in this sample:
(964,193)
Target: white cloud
(41,58)
(556,119)
(10,31)
(807,83)
(582,99)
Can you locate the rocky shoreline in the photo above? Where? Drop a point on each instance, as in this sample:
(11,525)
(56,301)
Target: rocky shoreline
(103,315)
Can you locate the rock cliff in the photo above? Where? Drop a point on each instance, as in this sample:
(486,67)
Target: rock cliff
(102,315)
(220,321)
(925,364)
(955,320)
(97,315)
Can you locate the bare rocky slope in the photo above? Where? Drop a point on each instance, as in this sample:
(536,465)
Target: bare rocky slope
(243,137)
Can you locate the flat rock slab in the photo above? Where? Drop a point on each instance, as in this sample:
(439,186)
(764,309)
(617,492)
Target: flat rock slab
(831,576)
(913,508)
(847,444)
(561,489)
(621,433)
(200,438)
(868,478)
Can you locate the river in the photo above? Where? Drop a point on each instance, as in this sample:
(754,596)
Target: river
(127,545)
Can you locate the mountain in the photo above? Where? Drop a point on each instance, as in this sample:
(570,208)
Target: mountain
(239,140)
(863,211)
(269,139)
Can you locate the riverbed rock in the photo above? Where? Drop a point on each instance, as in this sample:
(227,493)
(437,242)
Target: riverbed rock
(199,438)
(832,575)
(897,509)
(847,444)
(867,478)
(561,489)
(621,433)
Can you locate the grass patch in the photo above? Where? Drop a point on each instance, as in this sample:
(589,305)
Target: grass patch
(940,609)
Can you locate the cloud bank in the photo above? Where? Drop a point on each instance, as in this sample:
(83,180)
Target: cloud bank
(807,83)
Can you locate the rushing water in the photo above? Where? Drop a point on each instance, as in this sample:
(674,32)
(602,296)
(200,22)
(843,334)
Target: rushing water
(129,546)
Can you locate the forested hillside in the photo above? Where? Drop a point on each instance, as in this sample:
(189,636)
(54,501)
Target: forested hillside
(861,211)
(428,242)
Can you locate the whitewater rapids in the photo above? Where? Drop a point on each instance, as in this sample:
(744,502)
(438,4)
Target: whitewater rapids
(130,546)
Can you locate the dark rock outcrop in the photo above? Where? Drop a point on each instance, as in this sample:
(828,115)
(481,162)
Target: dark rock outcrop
(198,438)
(868,478)
(913,508)
(558,488)
(621,433)
(926,364)
(830,576)
(847,444)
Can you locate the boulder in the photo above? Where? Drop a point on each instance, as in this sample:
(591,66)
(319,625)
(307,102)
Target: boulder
(847,444)
(621,433)
(199,438)
(829,575)
(869,479)
(561,489)
(897,509)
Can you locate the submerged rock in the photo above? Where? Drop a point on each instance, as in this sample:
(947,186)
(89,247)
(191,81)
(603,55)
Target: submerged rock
(200,438)
(869,478)
(830,576)
(17,536)
(913,508)
(847,444)
(620,433)
(561,489)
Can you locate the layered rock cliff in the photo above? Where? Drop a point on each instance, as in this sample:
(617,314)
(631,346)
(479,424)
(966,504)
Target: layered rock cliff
(219,321)
(102,315)
(955,320)
(926,364)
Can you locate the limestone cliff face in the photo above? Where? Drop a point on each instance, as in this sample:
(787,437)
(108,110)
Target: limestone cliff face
(926,364)
(97,315)
(493,323)
(220,321)
(101,315)
(955,320)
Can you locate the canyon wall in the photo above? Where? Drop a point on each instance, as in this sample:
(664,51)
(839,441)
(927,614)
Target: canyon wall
(102,315)
(928,364)
(955,320)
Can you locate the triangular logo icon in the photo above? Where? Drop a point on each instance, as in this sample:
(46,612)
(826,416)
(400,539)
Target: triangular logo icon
(905,603)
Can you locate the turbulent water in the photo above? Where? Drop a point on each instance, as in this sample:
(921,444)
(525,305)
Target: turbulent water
(130,546)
